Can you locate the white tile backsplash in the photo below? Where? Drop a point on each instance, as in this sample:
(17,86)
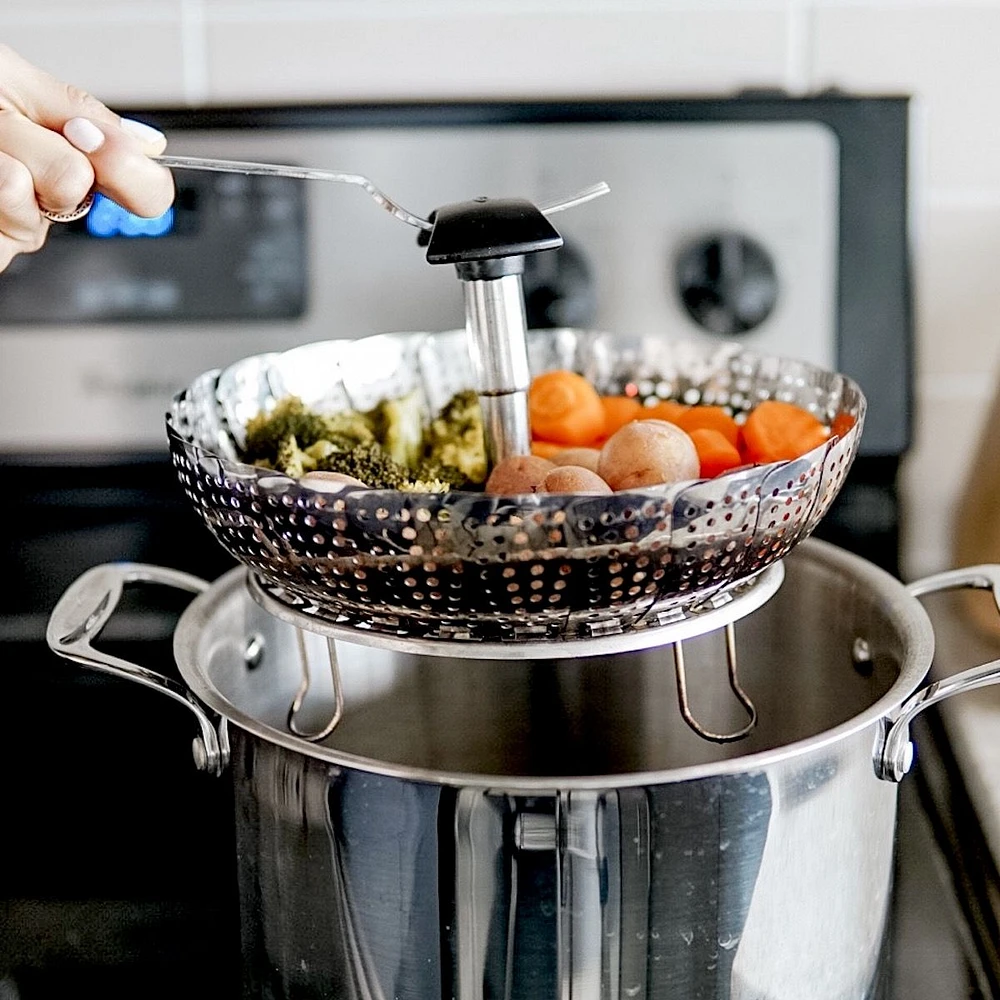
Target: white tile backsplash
(485,53)
(947,54)
(933,478)
(958,295)
(944,52)
(123,55)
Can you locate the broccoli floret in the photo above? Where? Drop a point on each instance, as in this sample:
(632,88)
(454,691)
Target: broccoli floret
(321,451)
(266,431)
(290,416)
(291,459)
(370,464)
(431,470)
(346,429)
(455,437)
(386,448)
(425,486)
(376,469)
(399,427)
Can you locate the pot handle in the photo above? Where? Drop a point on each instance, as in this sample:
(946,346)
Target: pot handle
(80,616)
(897,751)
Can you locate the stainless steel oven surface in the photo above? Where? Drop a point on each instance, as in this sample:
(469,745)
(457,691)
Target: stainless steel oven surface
(775,221)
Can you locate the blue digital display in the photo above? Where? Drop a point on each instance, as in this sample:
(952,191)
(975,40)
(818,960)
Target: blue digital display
(108,218)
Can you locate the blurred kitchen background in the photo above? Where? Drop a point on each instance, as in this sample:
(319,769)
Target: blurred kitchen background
(149,53)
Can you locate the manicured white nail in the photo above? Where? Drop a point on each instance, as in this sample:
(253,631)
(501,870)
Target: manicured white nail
(84,134)
(142,131)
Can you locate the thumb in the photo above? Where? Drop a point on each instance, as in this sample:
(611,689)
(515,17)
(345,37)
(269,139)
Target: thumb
(119,153)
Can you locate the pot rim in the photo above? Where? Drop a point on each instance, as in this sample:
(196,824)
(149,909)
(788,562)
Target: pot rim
(897,603)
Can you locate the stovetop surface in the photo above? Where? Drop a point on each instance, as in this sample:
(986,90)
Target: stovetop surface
(117,867)
(166,924)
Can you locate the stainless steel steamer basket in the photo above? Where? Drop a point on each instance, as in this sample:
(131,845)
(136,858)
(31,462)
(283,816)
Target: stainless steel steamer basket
(464,565)
(532,829)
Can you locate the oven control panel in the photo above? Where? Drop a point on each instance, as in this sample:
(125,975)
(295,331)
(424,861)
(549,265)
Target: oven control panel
(770,230)
(230,247)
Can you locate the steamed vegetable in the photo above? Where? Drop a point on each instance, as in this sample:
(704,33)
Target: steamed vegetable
(716,454)
(709,418)
(291,418)
(399,428)
(618,411)
(387,447)
(565,408)
(667,409)
(647,453)
(616,438)
(585,457)
(776,431)
(573,479)
(546,449)
(518,474)
(455,437)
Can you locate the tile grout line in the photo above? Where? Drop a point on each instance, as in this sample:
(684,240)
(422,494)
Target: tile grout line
(194,52)
(798,47)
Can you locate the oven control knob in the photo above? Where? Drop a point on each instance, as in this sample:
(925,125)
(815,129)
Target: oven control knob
(727,282)
(559,289)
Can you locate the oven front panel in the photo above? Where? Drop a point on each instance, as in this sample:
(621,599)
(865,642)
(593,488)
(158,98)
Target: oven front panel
(710,226)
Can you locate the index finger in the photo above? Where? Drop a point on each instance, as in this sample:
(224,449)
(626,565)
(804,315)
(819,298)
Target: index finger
(43,98)
(118,149)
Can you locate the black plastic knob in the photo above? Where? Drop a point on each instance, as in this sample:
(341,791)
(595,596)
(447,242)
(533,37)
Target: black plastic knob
(727,282)
(488,229)
(559,289)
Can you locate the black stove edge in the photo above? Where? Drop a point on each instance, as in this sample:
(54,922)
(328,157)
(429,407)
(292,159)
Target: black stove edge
(959,834)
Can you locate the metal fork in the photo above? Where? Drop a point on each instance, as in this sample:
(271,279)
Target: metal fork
(318,174)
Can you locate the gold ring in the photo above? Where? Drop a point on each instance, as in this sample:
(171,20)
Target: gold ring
(78,213)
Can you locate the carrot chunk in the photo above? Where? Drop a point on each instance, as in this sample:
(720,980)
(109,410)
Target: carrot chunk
(619,411)
(565,408)
(716,453)
(776,431)
(842,423)
(668,410)
(710,418)
(546,449)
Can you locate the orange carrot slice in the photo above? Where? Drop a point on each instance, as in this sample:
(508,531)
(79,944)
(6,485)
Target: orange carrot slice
(776,431)
(842,423)
(546,449)
(716,453)
(710,418)
(619,411)
(564,407)
(668,410)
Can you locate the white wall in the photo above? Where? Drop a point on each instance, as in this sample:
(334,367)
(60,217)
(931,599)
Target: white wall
(946,53)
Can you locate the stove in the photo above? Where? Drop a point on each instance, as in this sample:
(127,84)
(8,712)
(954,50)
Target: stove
(780,222)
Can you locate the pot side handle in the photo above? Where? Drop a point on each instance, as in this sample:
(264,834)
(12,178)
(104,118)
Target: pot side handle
(897,751)
(86,607)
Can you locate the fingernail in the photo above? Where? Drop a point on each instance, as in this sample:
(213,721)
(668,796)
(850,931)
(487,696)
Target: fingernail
(84,134)
(142,131)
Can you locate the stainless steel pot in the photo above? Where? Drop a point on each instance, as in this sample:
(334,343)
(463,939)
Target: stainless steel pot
(527,828)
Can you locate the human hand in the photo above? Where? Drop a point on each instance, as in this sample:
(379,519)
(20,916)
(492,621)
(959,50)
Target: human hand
(57,144)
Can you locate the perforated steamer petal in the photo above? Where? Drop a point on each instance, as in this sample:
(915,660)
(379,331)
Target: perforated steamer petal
(463,565)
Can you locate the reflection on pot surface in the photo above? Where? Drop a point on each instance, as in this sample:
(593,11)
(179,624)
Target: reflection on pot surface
(363,885)
(516,828)
(746,884)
